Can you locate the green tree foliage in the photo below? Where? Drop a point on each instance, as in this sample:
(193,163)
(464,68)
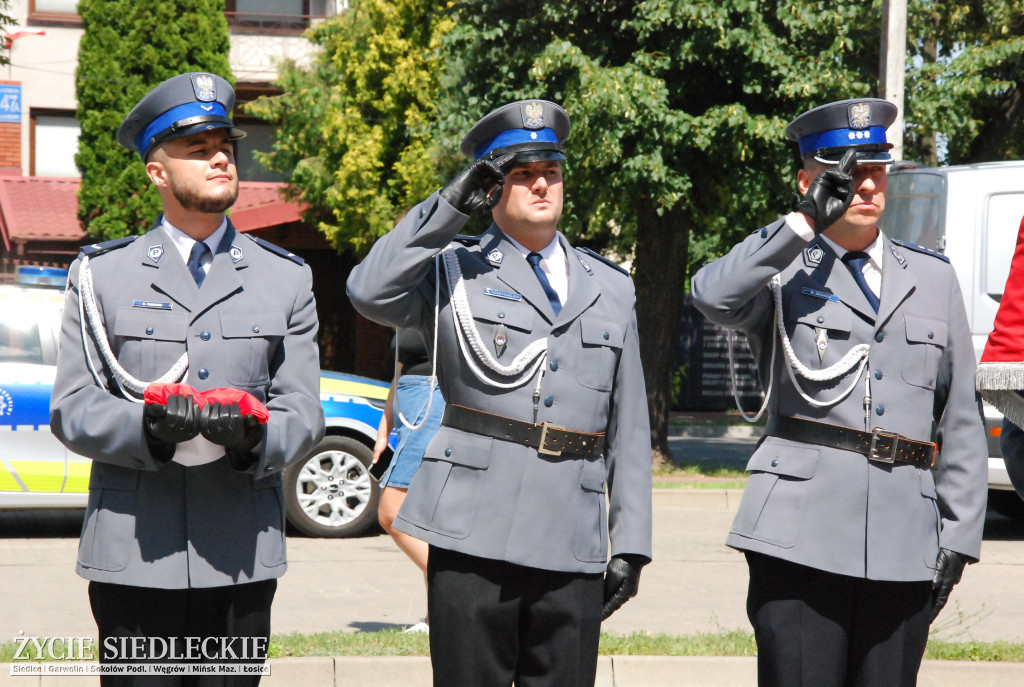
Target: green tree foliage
(7,22)
(130,46)
(352,134)
(966,81)
(678,110)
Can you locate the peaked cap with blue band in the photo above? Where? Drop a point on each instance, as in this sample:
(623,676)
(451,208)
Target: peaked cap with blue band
(532,130)
(181,106)
(827,132)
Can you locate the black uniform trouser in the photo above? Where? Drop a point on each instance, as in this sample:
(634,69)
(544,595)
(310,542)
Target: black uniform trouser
(492,623)
(142,620)
(819,629)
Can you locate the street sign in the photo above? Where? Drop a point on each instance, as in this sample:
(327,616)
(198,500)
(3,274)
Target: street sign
(10,102)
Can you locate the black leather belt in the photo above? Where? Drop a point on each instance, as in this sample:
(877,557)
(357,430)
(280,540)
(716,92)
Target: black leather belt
(549,439)
(878,445)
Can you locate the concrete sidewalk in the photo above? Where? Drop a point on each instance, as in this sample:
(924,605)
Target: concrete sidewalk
(695,585)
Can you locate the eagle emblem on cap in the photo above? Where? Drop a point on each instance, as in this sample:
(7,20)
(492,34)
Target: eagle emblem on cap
(860,116)
(205,89)
(533,115)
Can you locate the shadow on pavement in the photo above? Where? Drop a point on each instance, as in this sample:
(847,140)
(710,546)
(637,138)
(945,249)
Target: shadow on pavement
(376,627)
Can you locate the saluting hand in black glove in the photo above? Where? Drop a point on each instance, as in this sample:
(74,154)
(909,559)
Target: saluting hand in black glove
(621,582)
(476,189)
(829,195)
(949,566)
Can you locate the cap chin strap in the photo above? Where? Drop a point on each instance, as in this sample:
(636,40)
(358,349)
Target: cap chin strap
(88,312)
(858,355)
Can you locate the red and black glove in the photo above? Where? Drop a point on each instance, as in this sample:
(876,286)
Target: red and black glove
(169,423)
(239,433)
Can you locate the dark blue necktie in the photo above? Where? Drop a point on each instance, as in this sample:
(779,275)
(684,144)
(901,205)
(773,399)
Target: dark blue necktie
(194,261)
(855,261)
(534,260)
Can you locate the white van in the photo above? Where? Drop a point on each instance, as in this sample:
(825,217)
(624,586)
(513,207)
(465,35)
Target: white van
(971,214)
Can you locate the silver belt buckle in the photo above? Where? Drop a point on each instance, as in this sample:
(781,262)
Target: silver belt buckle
(544,439)
(873,450)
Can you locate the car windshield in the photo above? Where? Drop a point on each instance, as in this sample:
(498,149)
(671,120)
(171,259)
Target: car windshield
(19,335)
(914,209)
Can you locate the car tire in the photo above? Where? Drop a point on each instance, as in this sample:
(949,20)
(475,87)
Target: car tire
(1006,503)
(330,492)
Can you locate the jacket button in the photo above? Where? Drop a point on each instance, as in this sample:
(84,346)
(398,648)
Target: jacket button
(270,468)
(549,401)
(149,331)
(255,329)
(931,335)
(820,319)
(447,452)
(203,373)
(553,365)
(775,463)
(501,315)
(878,374)
(880,409)
(879,336)
(139,463)
(557,333)
(205,336)
(606,336)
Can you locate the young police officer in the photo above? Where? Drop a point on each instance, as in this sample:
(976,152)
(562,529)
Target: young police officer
(183,537)
(855,525)
(539,363)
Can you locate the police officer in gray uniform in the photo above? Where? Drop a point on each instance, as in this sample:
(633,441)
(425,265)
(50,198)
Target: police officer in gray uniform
(184,532)
(545,445)
(854,523)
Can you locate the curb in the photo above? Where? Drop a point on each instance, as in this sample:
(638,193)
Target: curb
(612,671)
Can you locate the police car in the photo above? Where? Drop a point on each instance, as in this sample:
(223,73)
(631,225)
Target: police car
(329,493)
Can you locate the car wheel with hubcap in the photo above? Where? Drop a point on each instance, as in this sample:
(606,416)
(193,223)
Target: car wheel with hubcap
(330,493)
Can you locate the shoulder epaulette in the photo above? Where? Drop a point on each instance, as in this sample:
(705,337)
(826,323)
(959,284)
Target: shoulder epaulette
(920,249)
(598,256)
(466,240)
(106,246)
(276,250)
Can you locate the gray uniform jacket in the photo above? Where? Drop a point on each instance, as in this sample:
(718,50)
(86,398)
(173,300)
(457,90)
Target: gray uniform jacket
(832,509)
(253,327)
(488,497)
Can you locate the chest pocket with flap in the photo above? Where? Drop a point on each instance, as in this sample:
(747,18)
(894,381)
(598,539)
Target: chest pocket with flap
(250,341)
(148,341)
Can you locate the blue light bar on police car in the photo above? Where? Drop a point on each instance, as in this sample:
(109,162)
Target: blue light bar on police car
(29,275)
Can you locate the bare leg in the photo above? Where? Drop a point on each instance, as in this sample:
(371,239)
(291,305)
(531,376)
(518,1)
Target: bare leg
(390,501)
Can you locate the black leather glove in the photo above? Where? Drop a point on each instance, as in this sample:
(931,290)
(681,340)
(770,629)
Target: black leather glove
(949,566)
(168,425)
(829,195)
(621,582)
(476,189)
(236,432)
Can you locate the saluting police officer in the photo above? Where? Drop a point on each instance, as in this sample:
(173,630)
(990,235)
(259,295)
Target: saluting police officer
(854,523)
(184,533)
(546,413)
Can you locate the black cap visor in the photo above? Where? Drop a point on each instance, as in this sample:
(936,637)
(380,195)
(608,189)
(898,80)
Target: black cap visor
(541,151)
(195,125)
(867,154)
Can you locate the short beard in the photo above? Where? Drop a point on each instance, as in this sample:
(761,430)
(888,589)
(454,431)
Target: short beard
(190,199)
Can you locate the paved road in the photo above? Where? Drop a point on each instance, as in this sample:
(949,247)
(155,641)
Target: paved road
(695,585)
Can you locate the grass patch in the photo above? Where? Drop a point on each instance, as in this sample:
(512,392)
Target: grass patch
(721,643)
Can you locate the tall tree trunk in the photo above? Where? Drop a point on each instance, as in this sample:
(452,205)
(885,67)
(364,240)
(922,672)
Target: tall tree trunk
(662,248)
